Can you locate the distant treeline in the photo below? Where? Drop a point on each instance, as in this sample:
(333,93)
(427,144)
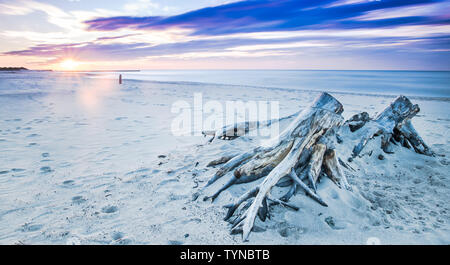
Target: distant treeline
(12,68)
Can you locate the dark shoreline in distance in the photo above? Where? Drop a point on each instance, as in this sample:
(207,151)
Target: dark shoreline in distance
(13,69)
(18,69)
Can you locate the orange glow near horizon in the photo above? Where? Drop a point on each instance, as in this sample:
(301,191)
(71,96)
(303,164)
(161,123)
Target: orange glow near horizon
(69,65)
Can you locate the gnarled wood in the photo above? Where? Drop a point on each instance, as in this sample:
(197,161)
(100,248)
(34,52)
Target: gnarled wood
(314,166)
(357,121)
(305,150)
(392,123)
(406,129)
(233,131)
(333,170)
(295,148)
(219,161)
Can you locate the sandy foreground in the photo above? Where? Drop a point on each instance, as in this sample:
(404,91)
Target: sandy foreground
(86,161)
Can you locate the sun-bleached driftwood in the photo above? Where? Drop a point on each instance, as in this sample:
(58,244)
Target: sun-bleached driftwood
(357,121)
(406,131)
(304,152)
(393,125)
(333,170)
(233,131)
(297,149)
(314,166)
(219,161)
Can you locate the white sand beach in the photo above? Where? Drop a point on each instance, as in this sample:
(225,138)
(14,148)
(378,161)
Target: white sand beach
(87,161)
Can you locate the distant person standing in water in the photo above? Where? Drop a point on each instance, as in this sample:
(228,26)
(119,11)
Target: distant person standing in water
(120,79)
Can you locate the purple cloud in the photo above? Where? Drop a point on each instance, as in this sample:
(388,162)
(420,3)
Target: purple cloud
(99,51)
(269,15)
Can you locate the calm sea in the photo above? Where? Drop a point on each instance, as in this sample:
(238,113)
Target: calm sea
(410,83)
(434,84)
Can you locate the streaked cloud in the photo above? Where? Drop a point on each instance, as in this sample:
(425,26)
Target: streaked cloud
(254,29)
(264,15)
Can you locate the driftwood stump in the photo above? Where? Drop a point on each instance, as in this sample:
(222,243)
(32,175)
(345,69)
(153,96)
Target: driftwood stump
(394,126)
(298,153)
(303,152)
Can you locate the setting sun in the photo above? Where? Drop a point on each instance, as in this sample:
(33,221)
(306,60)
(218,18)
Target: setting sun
(69,64)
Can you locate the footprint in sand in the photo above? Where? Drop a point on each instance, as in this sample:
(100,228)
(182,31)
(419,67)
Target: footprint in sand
(165,182)
(120,239)
(141,170)
(30,227)
(14,120)
(78,199)
(68,182)
(117,235)
(175,242)
(175,197)
(335,224)
(110,209)
(334,195)
(284,230)
(46,169)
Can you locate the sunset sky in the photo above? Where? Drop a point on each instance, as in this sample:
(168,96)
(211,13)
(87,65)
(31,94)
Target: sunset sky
(220,34)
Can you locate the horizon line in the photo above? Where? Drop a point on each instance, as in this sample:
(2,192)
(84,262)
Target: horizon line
(237,69)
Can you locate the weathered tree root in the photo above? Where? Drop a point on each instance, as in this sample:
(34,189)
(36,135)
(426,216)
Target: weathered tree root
(233,131)
(394,126)
(300,149)
(303,152)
